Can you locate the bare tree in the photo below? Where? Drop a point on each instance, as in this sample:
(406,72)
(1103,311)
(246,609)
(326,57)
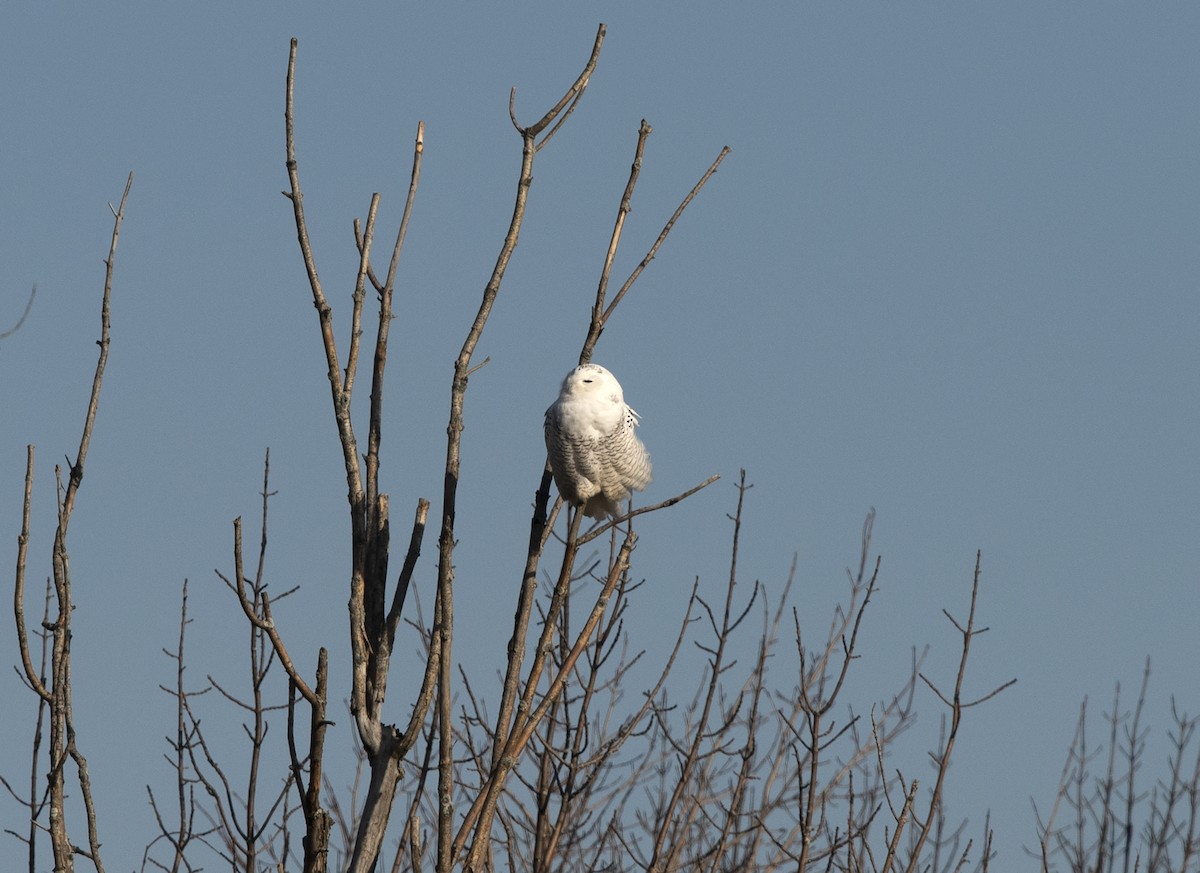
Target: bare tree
(569,762)
(373,623)
(55,696)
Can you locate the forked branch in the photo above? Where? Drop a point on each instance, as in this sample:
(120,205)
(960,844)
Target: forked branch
(601,312)
(58,694)
(956,705)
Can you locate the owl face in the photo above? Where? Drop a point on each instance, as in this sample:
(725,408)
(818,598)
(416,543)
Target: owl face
(592,381)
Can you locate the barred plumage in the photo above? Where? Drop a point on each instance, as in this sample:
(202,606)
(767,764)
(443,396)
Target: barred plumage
(596,457)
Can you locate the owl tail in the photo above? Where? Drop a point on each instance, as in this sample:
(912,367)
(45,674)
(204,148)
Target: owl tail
(601,507)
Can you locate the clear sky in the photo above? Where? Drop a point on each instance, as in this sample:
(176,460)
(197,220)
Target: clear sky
(949,270)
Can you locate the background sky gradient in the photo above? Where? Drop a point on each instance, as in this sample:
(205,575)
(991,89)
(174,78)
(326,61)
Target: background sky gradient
(949,271)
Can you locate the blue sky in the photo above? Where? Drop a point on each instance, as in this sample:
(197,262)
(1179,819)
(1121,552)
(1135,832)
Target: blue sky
(949,271)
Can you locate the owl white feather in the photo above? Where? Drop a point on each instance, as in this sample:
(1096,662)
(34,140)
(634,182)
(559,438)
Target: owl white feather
(596,457)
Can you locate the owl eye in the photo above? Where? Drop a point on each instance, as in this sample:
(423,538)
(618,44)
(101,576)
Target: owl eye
(589,381)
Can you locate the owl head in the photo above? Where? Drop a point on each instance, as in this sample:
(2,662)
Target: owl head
(592,381)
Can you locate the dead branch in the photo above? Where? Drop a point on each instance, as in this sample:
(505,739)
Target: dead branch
(691,757)
(372,623)
(642,510)
(182,833)
(57,695)
(600,313)
(36,799)
(956,706)
(444,613)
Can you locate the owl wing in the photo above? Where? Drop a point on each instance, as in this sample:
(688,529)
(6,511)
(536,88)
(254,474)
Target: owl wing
(627,463)
(576,462)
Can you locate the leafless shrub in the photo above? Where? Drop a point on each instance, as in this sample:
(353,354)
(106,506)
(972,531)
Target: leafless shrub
(1102,819)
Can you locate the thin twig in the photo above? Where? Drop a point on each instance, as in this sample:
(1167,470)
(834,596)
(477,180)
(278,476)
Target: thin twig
(25,314)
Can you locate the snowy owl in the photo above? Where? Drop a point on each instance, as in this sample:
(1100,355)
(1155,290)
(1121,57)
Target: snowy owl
(596,457)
